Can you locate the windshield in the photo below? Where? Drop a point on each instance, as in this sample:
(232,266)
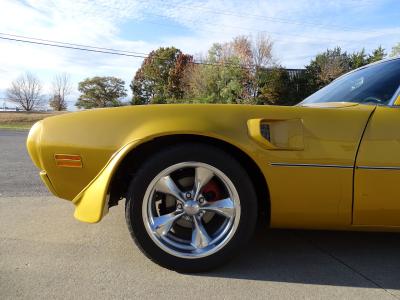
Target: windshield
(372,84)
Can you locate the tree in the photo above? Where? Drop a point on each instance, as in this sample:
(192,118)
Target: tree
(326,67)
(225,75)
(378,54)
(395,50)
(252,52)
(254,55)
(25,91)
(196,85)
(61,88)
(332,63)
(242,48)
(262,51)
(280,86)
(262,58)
(230,71)
(159,77)
(219,79)
(358,59)
(176,80)
(272,85)
(101,92)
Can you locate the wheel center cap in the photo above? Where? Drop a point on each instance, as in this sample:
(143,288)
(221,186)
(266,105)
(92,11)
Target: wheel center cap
(191,207)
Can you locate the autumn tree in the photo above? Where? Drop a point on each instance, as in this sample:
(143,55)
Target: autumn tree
(327,66)
(220,78)
(243,70)
(177,83)
(101,92)
(26,92)
(252,52)
(254,55)
(262,51)
(61,89)
(160,76)
(229,71)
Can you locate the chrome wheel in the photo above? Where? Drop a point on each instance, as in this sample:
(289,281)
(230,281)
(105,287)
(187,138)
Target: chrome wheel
(191,210)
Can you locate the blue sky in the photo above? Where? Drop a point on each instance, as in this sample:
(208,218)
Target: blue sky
(299,28)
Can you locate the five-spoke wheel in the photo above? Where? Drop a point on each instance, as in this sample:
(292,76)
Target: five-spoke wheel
(190,207)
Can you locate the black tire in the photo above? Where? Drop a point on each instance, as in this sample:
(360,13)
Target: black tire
(196,152)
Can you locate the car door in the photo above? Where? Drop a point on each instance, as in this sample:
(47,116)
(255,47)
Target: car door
(309,167)
(377,173)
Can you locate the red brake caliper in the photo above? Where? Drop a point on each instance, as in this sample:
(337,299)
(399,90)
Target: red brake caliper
(211,191)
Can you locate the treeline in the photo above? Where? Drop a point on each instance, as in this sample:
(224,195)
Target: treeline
(243,70)
(27,92)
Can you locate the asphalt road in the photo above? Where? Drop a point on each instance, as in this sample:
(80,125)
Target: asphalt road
(18,176)
(46,253)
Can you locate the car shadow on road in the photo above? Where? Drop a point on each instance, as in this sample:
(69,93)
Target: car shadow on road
(319,257)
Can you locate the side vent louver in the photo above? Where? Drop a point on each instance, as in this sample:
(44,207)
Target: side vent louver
(277,134)
(265,131)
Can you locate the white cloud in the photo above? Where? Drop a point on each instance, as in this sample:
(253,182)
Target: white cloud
(300,29)
(81,22)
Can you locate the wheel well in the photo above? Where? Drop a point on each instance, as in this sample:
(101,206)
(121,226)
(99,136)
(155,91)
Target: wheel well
(132,161)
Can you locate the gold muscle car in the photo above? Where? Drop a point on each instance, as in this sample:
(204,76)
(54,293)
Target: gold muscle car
(197,177)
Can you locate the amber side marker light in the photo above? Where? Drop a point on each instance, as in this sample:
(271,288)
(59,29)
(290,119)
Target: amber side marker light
(68,160)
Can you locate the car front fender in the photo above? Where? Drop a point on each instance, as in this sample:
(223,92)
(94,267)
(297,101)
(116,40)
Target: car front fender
(91,202)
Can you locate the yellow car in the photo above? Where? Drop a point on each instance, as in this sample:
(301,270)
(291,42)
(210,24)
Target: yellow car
(197,177)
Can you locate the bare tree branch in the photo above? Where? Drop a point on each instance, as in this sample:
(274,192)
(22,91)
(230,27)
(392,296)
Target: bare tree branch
(61,89)
(25,91)
(262,51)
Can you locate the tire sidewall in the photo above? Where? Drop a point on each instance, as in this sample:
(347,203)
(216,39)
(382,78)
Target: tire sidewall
(190,153)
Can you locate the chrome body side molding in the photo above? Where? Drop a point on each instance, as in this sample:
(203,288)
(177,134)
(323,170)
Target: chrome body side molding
(378,168)
(278,164)
(311,165)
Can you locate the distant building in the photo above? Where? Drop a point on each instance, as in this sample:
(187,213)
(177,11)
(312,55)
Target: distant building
(295,72)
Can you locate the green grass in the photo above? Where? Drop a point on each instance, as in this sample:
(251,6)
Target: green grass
(16,126)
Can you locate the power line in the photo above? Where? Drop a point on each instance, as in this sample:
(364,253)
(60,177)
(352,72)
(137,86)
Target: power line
(266,18)
(136,54)
(110,52)
(71,44)
(72,47)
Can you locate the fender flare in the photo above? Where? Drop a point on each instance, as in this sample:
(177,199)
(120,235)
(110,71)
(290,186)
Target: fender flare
(91,202)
